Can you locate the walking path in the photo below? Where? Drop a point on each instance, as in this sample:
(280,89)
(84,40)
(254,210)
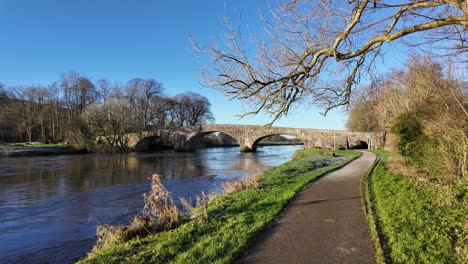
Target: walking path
(325,223)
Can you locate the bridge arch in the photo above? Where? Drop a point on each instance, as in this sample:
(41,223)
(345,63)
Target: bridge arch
(257,141)
(153,142)
(359,144)
(192,139)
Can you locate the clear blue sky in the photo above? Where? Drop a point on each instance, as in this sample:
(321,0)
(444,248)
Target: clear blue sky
(122,39)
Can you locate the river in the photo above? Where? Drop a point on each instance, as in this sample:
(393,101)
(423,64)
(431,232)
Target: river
(49,205)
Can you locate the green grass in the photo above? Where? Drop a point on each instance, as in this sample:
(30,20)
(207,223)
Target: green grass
(382,154)
(407,224)
(34,149)
(26,146)
(234,219)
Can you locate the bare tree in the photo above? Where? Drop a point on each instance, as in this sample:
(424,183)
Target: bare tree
(55,113)
(113,121)
(143,95)
(191,109)
(79,92)
(24,110)
(320,50)
(38,96)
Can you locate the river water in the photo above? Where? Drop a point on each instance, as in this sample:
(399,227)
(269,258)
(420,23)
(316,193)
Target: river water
(49,205)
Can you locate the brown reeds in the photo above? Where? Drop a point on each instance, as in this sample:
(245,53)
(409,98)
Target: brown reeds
(159,208)
(159,213)
(241,184)
(201,203)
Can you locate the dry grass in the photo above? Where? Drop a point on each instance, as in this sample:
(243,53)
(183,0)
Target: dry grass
(201,203)
(200,206)
(109,235)
(187,204)
(233,186)
(242,184)
(159,206)
(159,213)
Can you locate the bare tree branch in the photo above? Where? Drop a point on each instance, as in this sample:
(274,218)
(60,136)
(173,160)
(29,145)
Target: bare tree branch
(318,51)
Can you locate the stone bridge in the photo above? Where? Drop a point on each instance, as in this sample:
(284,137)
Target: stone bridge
(248,136)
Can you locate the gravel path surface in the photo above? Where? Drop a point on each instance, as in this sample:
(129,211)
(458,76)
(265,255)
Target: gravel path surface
(325,223)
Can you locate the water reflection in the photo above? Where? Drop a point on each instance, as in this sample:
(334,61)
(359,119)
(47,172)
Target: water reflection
(46,203)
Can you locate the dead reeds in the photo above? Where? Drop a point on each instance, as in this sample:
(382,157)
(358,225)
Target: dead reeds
(159,213)
(241,184)
(201,203)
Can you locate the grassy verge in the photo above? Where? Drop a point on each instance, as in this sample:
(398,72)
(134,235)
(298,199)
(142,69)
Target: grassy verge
(369,209)
(34,149)
(233,219)
(382,154)
(407,223)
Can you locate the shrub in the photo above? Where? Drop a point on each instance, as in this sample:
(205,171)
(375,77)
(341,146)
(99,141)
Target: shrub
(159,213)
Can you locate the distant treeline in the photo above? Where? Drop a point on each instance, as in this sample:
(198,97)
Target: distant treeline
(76,111)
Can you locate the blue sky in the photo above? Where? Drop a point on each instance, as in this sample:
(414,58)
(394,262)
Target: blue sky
(122,39)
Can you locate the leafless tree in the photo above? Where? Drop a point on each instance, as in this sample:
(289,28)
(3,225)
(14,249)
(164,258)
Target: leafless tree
(79,92)
(319,50)
(143,95)
(113,121)
(191,109)
(24,110)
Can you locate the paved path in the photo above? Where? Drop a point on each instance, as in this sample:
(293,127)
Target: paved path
(325,223)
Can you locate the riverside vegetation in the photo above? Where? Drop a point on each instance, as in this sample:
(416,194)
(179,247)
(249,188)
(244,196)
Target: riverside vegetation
(416,196)
(226,223)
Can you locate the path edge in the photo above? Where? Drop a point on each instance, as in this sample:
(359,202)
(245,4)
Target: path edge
(367,198)
(254,239)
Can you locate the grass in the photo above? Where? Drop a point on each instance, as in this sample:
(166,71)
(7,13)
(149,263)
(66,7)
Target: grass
(159,213)
(233,219)
(407,223)
(30,146)
(33,148)
(382,154)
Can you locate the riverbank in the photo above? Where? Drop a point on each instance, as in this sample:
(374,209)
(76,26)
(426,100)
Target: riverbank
(413,221)
(233,219)
(30,149)
(35,149)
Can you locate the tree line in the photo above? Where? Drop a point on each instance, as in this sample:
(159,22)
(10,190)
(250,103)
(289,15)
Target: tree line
(77,111)
(424,109)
